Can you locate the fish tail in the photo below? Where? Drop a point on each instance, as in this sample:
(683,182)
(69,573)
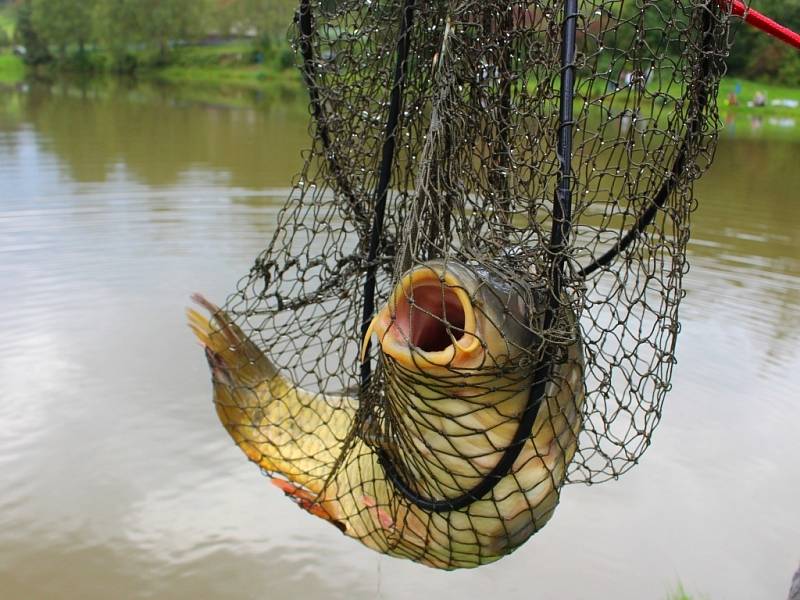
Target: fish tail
(280,427)
(230,353)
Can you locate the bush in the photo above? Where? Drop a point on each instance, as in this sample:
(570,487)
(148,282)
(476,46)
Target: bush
(36,50)
(789,72)
(766,61)
(85,62)
(125,64)
(286,58)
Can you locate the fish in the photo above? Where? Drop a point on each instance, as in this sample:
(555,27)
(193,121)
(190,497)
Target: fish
(457,349)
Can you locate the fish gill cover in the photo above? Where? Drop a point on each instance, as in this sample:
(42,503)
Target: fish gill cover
(471,298)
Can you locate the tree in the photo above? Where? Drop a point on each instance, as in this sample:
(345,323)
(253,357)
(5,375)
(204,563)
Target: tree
(266,19)
(754,54)
(166,21)
(63,22)
(36,51)
(118,27)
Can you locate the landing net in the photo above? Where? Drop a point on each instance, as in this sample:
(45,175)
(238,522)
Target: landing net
(495,211)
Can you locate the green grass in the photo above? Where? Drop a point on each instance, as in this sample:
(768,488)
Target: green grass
(252,77)
(12,69)
(226,65)
(749,89)
(681,594)
(233,53)
(238,66)
(773,123)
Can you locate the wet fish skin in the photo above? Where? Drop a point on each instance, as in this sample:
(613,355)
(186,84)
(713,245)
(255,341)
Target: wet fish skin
(282,428)
(298,435)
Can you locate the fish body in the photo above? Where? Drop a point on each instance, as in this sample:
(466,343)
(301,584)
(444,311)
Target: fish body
(282,428)
(457,353)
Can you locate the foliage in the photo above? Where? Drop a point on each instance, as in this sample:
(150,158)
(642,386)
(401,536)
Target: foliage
(174,21)
(268,20)
(137,32)
(36,50)
(757,56)
(754,55)
(118,28)
(7,22)
(789,71)
(62,22)
(146,31)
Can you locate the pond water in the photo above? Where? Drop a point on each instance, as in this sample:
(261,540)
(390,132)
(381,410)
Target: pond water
(117,481)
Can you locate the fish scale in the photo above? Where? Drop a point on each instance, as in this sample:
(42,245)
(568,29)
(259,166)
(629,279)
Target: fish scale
(494,210)
(301,435)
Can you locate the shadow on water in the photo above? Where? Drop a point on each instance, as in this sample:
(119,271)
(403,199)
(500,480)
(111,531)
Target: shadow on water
(116,480)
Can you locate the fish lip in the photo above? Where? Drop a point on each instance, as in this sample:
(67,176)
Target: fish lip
(396,344)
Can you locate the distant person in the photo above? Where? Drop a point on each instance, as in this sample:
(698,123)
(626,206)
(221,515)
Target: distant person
(733,99)
(759,99)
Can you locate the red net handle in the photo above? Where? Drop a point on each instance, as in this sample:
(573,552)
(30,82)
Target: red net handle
(762,22)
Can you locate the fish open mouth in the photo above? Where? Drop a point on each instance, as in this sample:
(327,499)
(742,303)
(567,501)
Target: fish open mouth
(430,315)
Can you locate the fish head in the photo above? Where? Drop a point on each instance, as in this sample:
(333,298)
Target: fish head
(446,315)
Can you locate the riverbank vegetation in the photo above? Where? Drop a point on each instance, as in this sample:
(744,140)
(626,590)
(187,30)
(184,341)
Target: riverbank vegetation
(243,44)
(245,40)
(128,35)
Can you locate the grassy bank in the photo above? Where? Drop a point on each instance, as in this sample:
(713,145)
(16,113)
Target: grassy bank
(270,72)
(252,78)
(234,64)
(770,123)
(747,92)
(12,69)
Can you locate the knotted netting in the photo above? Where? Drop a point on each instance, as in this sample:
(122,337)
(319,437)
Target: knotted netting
(471,296)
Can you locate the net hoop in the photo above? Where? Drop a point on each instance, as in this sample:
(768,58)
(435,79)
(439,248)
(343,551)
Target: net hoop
(560,228)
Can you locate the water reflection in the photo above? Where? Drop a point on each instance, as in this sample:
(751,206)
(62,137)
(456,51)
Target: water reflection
(96,129)
(754,252)
(755,125)
(116,480)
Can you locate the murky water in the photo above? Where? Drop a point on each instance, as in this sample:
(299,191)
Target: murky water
(116,480)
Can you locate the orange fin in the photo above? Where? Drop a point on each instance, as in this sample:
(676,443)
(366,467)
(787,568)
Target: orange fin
(383,517)
(305,500)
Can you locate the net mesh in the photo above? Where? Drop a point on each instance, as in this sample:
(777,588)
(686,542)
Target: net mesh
(453,320)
